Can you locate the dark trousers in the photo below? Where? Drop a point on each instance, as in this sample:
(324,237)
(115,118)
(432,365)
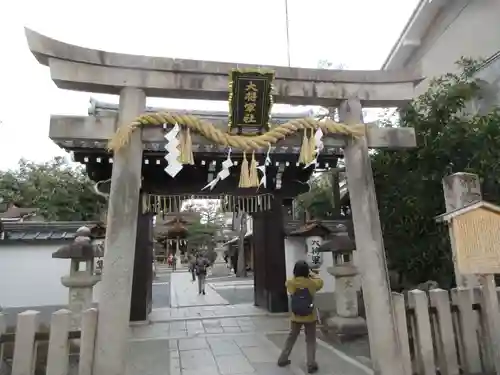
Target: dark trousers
(310,331)
(193,274)
(201,282)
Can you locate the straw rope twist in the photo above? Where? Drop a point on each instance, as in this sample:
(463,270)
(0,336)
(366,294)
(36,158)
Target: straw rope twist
(247,143)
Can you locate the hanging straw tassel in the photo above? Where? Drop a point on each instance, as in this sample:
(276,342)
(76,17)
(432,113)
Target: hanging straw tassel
(188,147)
(182,147)
(312,147)
(244,175)
(253,175)
(304,149)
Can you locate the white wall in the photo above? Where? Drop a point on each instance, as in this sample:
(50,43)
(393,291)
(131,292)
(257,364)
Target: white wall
(29,276)
(464,28)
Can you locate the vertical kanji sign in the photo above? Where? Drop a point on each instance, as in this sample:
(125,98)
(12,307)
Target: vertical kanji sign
(250,101)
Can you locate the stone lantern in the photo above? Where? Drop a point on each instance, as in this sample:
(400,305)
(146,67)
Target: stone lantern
(219,267)
(81,278)
(346,323)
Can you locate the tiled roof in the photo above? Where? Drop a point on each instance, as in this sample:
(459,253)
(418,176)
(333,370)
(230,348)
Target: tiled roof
(338,244)
(334,226)
(309,227)
(17,212)
(44,231)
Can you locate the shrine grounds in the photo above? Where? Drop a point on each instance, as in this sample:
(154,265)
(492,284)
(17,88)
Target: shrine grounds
(223,333)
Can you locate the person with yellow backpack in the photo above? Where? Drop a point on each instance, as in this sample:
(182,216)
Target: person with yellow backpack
(302,288)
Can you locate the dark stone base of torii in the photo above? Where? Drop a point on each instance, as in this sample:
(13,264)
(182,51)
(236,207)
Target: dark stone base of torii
(269,263)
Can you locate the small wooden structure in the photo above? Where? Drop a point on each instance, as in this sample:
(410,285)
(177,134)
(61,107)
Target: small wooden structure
(475,233)
(171,234)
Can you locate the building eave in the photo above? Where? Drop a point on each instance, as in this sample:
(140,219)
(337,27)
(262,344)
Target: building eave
(410,38)
(447,217)
(43,232)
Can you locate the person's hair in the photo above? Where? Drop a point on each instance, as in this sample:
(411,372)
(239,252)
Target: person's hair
(301,269)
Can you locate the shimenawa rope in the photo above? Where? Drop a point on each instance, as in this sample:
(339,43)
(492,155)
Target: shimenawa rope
(122,136)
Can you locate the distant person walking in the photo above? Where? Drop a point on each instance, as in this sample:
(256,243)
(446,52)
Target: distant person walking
(201,272)
(192,266)
(302,288)
(174,263)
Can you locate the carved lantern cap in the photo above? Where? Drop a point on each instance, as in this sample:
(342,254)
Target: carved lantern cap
(311,228)
(338,244)
(80,249)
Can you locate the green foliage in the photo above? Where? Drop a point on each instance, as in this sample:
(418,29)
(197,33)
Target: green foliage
(59,190)
(409,183)
(199,233)
(319,200)
(211,220)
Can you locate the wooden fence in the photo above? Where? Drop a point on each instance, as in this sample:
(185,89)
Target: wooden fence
(444,332)
(30,350)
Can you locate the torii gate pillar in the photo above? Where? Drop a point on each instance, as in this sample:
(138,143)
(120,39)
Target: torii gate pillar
(121,233)
(382,331)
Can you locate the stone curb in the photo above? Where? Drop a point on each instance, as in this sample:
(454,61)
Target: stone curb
(189,318)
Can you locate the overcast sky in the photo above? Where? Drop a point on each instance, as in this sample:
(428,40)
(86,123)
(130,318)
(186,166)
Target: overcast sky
(356,33)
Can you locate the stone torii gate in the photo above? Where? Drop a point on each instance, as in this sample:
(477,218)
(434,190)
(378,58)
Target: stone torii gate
(135,77)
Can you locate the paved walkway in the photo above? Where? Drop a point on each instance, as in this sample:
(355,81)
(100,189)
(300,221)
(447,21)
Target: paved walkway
(184,292)
(209,337)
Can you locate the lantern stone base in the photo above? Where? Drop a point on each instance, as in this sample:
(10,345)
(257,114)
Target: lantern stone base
(346,329)
(220,269)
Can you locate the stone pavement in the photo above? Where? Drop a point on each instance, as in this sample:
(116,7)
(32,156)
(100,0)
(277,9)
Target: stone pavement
(208,337)
(221,345)
(184,292)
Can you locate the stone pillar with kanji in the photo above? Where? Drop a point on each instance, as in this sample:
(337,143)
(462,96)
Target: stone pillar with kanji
(346,323)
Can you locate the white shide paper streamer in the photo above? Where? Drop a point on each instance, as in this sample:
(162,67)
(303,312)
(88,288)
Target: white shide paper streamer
(173,153)
(262,168)
(223,174)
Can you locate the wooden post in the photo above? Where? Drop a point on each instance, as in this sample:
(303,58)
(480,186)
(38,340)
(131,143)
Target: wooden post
(57,357)
(28,323)
(269,258)
(116,285)
(87,341)
(492,313)
(383,335)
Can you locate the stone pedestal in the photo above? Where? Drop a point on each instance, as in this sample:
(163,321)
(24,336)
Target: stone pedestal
(219,267)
